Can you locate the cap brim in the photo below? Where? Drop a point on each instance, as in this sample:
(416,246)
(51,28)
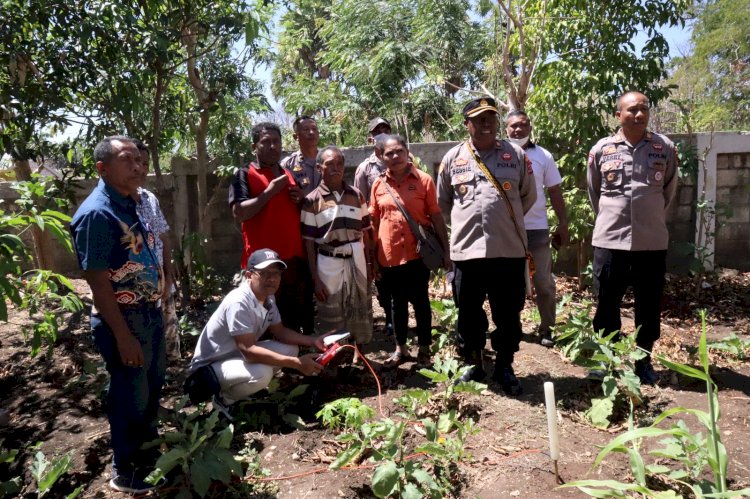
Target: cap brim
(479,110)
(268,263)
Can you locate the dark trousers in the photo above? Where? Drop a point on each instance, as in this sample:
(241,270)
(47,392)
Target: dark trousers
(294,298)
(614,270)
(134,392)
(408,284)
(385,298)
(502,281)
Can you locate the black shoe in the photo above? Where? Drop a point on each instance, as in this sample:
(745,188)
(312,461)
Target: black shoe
(475,373)
(645,372)
(508,381)
(547,340)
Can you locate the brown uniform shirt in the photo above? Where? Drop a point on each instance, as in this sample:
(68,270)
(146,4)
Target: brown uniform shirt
(630,187)
(303,170)
(481,225)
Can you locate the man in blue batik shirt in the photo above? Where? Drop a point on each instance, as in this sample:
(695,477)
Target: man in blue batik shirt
(116,251)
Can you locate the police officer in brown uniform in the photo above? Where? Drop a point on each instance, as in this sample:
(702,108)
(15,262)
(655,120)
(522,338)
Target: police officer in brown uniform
(373,166)
(632,178)
(487,247)
(301,164)
(364,177)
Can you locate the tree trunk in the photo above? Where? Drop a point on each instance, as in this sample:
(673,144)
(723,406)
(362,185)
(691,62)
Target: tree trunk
(41,240)
(201,146)
(156,126)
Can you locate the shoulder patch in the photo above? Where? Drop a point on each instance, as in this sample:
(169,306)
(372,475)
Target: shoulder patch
(461,162)
(529,168)
(591,159)
(609,149)
(658,146)
(441,168)
(506,156)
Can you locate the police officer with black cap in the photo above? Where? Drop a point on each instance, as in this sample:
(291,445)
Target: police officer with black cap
(485,186)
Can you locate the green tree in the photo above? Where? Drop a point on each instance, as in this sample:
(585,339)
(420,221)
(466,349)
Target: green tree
(713,81)
(43,67)
(353,59)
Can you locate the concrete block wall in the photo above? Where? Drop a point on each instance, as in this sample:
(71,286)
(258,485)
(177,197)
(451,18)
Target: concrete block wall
(733,193)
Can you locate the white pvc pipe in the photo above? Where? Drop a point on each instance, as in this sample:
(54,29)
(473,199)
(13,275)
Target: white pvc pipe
(554,442)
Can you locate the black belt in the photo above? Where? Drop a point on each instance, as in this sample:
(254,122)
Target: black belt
(324,252)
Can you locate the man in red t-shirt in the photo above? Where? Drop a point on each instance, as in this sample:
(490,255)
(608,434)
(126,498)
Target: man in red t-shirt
(265,199)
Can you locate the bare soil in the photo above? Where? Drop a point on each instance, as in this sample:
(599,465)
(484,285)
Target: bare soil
(56,400)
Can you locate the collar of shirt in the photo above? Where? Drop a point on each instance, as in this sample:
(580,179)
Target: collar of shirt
(412,172)
(620,137)
(325,190)
(258,167)
(124,202)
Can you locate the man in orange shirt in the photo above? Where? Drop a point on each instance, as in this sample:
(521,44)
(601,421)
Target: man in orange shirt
(265,199)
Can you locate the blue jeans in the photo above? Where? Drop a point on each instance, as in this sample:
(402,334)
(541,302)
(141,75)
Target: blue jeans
(134,392)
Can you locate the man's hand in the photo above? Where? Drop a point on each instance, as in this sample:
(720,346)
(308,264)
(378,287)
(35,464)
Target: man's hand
(276,185)
(295,193)
(447,262)
(560,237)
(308,366)
(131,353)
(321,292)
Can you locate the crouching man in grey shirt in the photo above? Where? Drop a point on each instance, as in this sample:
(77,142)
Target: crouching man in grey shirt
(233,340)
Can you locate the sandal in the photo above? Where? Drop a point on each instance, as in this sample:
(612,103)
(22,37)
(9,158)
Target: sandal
(396,359)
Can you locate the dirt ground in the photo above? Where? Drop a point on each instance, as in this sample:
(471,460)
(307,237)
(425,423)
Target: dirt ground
(56,401)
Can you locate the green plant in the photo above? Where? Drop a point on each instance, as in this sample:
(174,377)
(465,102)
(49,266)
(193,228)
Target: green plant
(597,351)
(446,313)
(46,297)
(44,294)
(12,486)
(199,281)
(276,409)
(735,346)
(425,465)
(692,452)
(199,448)
(445,373)
(344,413)
(46,472)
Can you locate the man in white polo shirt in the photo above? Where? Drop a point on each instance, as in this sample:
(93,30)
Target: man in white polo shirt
(232,342)
(547,176)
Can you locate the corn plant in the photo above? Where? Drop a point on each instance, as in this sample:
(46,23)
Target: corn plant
(693,453)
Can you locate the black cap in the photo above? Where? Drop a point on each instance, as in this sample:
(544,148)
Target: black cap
(373,124)
(262,258)
(478,106)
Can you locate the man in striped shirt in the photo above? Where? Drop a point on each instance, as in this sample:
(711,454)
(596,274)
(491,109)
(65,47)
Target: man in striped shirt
(336,231)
